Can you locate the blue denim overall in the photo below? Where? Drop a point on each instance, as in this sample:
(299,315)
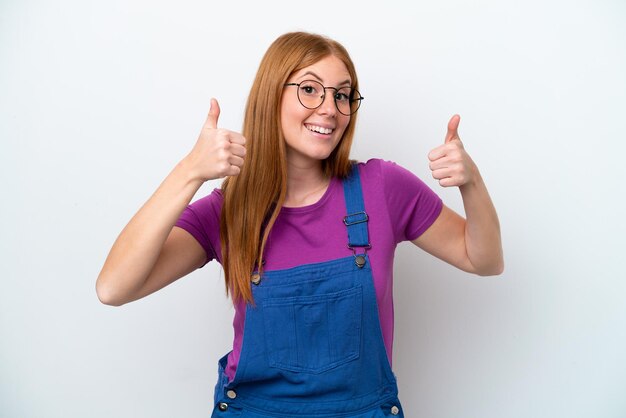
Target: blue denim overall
(313,345)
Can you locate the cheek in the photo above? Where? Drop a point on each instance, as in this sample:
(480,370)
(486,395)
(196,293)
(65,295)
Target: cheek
(344,124)
(290,118)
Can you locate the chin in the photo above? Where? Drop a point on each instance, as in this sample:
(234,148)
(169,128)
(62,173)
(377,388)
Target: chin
(315,152)
(322,155)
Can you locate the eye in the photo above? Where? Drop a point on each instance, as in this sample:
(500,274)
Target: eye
(343,95)
(309,88)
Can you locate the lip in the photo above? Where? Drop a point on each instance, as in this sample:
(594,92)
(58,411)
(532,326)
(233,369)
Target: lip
(323,126)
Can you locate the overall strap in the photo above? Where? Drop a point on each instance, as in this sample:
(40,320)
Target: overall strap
(356,219)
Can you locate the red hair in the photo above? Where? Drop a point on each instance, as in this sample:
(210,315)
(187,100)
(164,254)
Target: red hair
(253,199)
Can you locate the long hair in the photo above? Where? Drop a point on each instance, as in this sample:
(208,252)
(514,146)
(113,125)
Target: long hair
(253,199)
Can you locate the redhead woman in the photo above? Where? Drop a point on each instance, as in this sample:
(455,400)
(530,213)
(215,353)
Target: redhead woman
(306,237)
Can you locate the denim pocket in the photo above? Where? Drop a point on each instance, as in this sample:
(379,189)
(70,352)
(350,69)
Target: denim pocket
(313,333)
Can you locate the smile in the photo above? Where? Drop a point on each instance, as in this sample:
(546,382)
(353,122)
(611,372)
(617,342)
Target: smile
(319,129)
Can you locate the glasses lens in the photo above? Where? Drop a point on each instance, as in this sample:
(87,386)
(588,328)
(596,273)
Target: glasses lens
(355,101)
(311,94)
(348,100)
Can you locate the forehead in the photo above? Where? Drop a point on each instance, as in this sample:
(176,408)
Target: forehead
(329,70)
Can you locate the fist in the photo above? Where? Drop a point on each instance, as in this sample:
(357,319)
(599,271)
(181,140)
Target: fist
(449,163)
(218,152)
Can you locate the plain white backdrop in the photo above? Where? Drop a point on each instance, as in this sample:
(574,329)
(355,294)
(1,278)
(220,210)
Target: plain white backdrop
(99,100)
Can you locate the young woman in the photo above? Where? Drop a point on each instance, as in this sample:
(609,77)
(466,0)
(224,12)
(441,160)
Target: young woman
(306,238)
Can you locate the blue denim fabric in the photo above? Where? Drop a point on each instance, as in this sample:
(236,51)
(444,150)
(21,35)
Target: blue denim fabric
(313,345)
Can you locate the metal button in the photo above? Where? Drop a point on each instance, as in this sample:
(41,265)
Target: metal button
(395,410)
(256,278)
(231,394)
(223,406)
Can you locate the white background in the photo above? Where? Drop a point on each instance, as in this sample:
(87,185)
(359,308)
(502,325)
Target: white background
(99,100)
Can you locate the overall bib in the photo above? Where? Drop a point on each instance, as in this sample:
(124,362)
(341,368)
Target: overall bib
(313,345)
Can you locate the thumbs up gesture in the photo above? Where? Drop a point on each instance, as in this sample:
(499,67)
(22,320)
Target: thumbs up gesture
(449,163)
(218,152)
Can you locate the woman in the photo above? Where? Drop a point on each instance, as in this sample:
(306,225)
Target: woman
(306,238)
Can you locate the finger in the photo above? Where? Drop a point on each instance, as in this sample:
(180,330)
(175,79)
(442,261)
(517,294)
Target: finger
(233,170)
(439,164)
(453,128)
(442,173)
(437,153)
(448,182)
(214,114)
(447,178)
(238,150)
(236,138)
(235,160)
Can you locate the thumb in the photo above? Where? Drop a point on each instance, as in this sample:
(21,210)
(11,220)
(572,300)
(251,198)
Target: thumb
(214,114)
(453,128)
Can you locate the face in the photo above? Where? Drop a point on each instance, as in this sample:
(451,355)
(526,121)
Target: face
(312,134)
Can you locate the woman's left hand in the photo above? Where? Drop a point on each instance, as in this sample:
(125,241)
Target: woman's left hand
(472,244)
(449,162)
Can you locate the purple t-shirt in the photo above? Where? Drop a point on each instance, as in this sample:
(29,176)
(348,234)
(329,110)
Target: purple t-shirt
(400,208)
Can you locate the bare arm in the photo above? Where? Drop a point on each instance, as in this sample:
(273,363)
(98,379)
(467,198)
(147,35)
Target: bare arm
(139,259)
(150,252)
(472,244)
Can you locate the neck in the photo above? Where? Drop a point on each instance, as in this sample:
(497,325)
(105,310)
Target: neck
(306,184)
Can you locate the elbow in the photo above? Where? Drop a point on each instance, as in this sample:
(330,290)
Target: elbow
(494,269)
(107,298)
(106,293)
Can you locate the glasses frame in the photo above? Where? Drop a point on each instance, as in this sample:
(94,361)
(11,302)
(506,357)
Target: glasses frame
(324,96)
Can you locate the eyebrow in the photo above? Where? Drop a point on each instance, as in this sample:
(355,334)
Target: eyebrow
(343,83)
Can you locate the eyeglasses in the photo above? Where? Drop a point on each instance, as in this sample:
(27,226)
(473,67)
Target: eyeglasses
(311,95)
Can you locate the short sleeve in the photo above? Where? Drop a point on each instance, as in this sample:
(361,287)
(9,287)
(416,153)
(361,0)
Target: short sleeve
(413,206)
(202,220)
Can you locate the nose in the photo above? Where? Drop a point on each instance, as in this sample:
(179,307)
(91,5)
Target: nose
(328,106)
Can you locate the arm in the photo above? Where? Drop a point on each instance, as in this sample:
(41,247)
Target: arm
(473,244)
(149,252)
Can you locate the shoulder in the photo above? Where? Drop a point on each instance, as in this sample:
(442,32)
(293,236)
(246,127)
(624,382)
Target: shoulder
(211,203)
(203,214)
(202,220)
(410,203)
(386,173)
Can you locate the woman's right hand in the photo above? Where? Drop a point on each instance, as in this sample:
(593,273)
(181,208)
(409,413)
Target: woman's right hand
(150,253)
(218,152)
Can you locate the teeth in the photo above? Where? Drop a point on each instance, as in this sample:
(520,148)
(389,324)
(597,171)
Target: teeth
(319,129)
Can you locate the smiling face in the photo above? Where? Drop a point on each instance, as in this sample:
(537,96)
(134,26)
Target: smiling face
(312,134)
